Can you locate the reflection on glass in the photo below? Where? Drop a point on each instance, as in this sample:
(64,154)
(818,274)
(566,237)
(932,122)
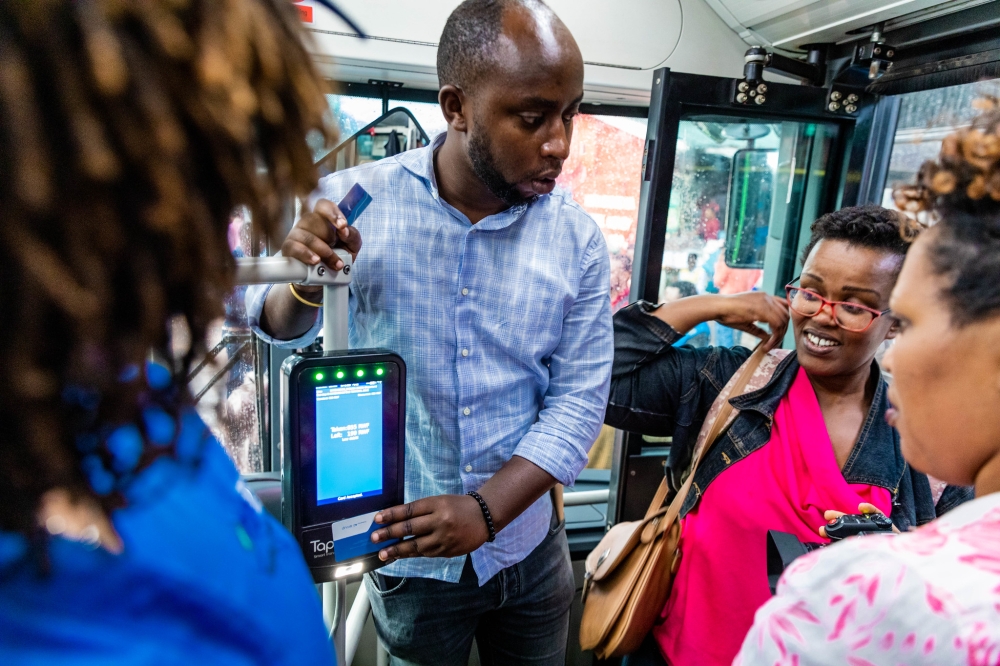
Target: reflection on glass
(427,114)
(604,175)
(224,384)
(925,119)
(395,132)
(750,210)
(349,115)
(740,194)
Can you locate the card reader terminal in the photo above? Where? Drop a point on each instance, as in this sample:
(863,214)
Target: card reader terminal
(343,424)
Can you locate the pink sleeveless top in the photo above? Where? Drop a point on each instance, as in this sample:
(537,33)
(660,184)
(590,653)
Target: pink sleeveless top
(785,485)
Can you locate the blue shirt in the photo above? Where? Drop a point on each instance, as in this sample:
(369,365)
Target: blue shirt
(205,577)
(505,327)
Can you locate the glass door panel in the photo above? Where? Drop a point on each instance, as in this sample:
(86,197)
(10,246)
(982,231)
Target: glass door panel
(740,190)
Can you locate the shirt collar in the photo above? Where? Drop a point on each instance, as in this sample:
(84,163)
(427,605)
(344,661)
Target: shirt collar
(420,163)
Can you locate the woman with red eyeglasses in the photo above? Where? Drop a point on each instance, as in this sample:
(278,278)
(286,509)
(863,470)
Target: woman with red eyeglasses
(810,435)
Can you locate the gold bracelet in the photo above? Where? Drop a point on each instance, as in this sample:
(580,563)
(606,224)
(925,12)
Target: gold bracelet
(302,300)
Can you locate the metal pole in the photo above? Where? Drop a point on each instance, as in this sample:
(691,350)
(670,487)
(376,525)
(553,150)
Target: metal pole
(334,601)
(356,619)
(335,304)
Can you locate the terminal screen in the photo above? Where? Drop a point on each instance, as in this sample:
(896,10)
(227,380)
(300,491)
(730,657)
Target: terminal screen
(348,442)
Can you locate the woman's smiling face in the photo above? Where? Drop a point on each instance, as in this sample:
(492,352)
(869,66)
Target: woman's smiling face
(840,271)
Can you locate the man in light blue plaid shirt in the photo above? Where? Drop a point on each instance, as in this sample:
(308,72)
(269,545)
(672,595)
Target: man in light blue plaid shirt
(494,288)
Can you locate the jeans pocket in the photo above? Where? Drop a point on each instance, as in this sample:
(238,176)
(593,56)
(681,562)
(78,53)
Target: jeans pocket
(388,585)
(556,526)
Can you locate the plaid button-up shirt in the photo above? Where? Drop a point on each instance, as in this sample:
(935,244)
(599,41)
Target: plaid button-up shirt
(505,327)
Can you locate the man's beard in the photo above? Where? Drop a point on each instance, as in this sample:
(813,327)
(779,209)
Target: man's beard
(485,165)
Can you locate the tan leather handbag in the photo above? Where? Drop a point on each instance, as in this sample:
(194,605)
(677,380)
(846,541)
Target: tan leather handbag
(628,575)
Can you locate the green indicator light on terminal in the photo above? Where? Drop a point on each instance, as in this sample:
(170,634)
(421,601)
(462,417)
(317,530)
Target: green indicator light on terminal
(361,373)
(340,374)
(319,376)
(379,372)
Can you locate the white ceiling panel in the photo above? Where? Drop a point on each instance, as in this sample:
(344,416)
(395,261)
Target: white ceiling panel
(622,42)
(792,23)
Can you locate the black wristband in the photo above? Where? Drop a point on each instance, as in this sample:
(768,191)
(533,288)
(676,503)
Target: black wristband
(486,514)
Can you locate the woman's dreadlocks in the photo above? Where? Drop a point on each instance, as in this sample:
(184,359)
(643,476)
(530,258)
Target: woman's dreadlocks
(129,130)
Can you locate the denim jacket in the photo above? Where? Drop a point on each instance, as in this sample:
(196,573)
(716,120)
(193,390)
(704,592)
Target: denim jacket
(661,390)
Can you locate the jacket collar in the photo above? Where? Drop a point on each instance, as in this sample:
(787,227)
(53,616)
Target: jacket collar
(876,459)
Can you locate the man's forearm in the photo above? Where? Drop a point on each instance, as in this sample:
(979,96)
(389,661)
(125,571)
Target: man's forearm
(514,488)
(284,317)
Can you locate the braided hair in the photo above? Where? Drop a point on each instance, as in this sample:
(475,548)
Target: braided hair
(128,133)
(960,194)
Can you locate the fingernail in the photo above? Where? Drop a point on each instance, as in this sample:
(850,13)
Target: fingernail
(378,517)
(383,555)
(374,536)
(313,258)
(339,265)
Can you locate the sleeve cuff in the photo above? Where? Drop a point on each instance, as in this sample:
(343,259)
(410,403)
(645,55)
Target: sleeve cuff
(255,297)
(638,316)
(563,460)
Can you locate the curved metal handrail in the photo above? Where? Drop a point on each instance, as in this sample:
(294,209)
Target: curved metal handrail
(331,156)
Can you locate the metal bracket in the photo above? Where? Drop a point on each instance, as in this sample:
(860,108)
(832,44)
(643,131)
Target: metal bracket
(750,92)
(875,56)
(840,101)
(275,270)
(752,89)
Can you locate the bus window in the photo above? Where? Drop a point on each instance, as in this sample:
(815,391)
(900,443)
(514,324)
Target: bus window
(925,118)
(428,114)
(351,113)
(604,175)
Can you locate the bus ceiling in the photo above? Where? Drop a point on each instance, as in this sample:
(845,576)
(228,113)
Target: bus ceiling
(882,46)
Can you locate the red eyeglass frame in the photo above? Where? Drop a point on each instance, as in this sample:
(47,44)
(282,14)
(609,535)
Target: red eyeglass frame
(833,304)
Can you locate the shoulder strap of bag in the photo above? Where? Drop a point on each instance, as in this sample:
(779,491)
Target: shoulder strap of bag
(721,421)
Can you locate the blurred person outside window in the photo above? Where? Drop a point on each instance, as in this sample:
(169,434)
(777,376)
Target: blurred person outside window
(700,335)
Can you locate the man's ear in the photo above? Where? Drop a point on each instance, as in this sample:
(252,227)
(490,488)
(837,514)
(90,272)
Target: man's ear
(453,105)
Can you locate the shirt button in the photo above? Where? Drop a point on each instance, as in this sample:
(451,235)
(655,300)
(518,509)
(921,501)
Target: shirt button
(468,468)
(465,292)
(465,352)
(466,411)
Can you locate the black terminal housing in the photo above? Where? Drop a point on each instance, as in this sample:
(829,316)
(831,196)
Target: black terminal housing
(305,512)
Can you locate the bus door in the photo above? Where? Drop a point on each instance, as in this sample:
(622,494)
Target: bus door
(732,178)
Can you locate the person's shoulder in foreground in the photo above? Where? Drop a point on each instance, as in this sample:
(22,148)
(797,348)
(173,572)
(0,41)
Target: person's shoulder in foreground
(931,597)
(161,600)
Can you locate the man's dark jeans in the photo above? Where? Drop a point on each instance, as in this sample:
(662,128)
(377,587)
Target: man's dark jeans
(520,616)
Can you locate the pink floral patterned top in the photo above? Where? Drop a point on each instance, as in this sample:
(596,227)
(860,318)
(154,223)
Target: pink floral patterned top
(928,597)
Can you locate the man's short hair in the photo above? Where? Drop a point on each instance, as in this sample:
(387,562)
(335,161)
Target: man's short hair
(465,51)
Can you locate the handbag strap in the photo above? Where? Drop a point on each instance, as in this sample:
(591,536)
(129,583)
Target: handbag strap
(722,419)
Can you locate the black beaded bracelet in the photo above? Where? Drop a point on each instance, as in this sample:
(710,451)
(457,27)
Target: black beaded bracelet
(486,514)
